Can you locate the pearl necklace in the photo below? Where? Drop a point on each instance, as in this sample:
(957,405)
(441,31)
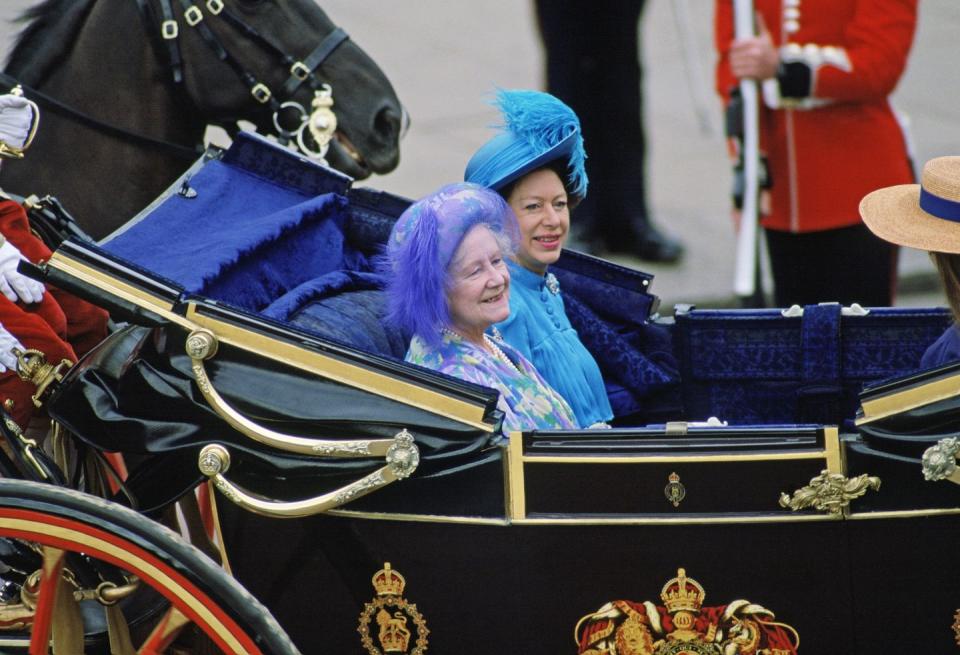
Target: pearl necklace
(491,345)
(499,354)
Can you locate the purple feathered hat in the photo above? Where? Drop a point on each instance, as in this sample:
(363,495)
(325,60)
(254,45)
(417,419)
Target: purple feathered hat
(423,243)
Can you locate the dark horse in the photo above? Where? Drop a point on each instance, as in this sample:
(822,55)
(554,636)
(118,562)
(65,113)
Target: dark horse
(134,84)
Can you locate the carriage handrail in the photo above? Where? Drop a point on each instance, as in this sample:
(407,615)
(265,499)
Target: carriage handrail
(402,460)
(201,345)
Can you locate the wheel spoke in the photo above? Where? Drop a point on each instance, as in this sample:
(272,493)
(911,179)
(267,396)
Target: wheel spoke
(46,598)
(67,621)
(165,632)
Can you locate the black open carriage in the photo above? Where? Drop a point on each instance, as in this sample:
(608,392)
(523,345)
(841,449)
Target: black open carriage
(371,506)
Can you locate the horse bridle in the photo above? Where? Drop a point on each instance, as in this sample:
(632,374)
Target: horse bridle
(320,124)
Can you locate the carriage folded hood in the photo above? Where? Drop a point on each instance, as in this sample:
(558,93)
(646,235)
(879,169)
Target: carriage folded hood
(233,237)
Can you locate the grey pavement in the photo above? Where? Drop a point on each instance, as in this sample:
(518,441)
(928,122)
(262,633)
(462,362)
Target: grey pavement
(444,58)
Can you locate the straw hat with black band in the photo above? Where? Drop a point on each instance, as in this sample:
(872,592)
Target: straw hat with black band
(925,216)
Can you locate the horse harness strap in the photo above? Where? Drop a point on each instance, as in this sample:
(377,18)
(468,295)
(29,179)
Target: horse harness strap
(169,30)
(194,17)
(300,71)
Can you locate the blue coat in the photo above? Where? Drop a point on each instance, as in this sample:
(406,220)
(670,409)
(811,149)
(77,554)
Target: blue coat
(539,328)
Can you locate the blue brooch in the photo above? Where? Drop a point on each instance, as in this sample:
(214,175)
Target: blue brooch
(552,284)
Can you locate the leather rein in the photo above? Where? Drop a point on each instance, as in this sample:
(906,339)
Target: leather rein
(165,33)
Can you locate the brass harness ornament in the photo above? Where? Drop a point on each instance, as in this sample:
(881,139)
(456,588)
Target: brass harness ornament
(830,492)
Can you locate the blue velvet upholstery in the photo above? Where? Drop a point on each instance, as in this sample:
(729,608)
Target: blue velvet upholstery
(759,367)
(245,248)
(345,306)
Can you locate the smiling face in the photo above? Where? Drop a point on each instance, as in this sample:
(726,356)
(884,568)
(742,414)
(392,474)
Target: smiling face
(479,294)
(540,203)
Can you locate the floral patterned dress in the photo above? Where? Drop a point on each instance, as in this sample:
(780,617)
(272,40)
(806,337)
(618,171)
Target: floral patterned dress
(526,400)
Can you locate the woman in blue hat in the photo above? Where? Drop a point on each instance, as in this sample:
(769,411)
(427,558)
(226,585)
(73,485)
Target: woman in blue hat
(448,283)
(536,165)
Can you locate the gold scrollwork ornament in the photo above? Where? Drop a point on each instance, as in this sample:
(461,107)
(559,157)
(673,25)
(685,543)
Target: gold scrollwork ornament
(829,492)
(395,617)
(956,627)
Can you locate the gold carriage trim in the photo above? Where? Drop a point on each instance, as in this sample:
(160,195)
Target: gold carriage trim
(394,615)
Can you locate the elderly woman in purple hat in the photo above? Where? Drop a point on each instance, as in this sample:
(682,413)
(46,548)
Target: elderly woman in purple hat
(536,164)
(926,216)
(449,283)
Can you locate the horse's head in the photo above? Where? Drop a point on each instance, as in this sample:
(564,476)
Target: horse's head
(263,60)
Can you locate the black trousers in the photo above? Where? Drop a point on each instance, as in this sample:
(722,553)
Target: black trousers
(845,265)
(593,65)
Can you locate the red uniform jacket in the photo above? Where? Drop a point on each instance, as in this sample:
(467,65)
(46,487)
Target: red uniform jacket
(845,141)
(61,325)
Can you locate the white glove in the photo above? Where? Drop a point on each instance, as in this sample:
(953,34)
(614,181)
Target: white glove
(7,343)
(13,284)
(16,117)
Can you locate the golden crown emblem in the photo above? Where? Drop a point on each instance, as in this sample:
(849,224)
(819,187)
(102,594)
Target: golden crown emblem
(388,582)
(398,621)
(682,594)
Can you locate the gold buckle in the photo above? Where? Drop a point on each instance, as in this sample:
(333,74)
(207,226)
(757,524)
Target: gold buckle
(214,6)
(300,70)
(169,29)
(193,15)
(261,93)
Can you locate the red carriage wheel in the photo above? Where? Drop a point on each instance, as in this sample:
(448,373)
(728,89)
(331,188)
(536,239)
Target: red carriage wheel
(94,562)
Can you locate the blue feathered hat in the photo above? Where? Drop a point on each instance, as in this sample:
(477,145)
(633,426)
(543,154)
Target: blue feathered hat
(538,128)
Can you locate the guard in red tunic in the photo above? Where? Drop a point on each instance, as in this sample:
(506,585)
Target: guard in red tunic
(50,320)
(829,136)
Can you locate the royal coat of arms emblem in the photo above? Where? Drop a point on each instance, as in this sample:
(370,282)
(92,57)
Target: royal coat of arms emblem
(682,625)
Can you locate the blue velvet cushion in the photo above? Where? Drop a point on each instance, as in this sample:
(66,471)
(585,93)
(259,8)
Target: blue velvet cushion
(241,239)
(345,306)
